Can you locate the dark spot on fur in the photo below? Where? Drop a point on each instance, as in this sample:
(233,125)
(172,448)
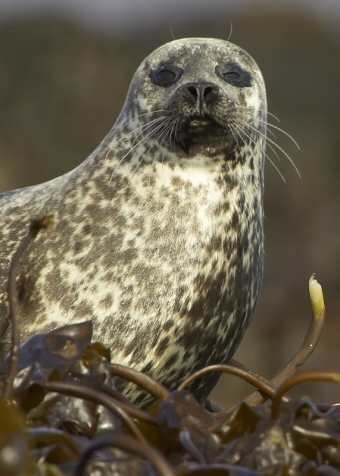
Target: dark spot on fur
(215,244)
(208,302)
(138,355)
(171,361)
(225,207)
(230,183)
(125,303)
(131,347)
(148,181)
(106,302)
(168,325)
(146,369)
(177,182)
(155,340)
(77,247)
(161,347)
(87,229)
(84,310)
(241,200)
(235,220)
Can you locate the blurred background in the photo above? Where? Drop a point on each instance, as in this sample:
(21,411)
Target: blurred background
(65,68)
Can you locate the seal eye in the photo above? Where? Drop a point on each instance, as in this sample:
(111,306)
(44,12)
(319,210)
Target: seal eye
(166,75)
(233,74)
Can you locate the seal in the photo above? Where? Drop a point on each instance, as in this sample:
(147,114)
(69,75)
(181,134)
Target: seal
(159,233)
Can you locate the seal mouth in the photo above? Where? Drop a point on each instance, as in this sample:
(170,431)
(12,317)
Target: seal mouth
(199,124)
(196,124)
(198,132)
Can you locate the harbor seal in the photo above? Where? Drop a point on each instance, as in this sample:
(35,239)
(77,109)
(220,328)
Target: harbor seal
(159,233)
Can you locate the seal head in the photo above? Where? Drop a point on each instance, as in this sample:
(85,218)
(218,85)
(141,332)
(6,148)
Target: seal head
(159,233)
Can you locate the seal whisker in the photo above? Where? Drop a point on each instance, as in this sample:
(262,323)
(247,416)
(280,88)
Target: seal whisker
(285,133)
(131,133)
(273,115)
(232,130)
(241,131)
(274,151)
(172,131)
(276,168)
(148,131)
(177,122)
(135,143)
(141,130)
(138,116)
(266,123)
(138,131)
(280,149)
(158,127)
(174,121)
(271,142)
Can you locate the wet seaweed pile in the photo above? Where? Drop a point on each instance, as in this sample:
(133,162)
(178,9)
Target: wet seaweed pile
(60,414)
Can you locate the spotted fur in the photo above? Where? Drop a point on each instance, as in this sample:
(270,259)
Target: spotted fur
(159,233)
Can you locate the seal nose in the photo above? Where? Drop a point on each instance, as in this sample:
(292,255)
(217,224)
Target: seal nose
(202,93)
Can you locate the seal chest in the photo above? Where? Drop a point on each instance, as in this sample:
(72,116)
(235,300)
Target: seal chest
(159,233)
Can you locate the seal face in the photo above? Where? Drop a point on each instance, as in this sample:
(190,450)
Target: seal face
(159,233)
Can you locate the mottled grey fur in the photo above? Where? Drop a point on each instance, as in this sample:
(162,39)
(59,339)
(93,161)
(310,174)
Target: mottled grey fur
(159,233)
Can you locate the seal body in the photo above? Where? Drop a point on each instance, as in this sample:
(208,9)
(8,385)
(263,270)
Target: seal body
(159,233)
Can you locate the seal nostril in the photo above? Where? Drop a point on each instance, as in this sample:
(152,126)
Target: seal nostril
(207,91)
(193,91)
